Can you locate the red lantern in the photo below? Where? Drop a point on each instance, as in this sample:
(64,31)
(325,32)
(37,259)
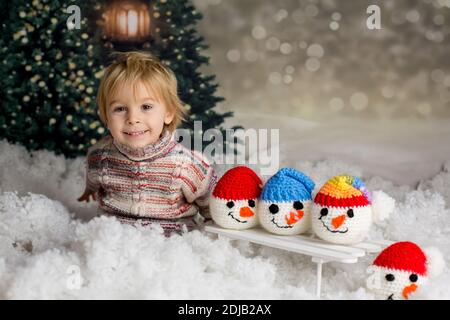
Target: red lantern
(127,21)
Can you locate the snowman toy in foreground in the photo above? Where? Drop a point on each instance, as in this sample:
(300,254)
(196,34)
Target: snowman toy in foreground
(285,203)
(343,210)
(400,269)
(234,199)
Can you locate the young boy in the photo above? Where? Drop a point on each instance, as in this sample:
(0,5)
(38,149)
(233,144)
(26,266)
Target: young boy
(139,173)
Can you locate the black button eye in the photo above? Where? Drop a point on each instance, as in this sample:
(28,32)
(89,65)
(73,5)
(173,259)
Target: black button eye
(413,277)
(390,277)
(298,205)
(230,204)
(324,212)
(251,203)
(273,208)
(350,213)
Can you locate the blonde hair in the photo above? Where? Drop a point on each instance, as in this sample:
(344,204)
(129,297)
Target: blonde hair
(131,67)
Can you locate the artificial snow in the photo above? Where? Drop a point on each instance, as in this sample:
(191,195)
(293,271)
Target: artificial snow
(53,247)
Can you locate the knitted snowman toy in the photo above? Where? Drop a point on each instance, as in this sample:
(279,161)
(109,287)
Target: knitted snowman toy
(285,203)
(343,212)
(234,199)
(402,268)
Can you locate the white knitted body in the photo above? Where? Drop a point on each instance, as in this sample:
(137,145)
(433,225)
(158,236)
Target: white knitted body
(352,231)
(277,223)
(384,289)
(230,218)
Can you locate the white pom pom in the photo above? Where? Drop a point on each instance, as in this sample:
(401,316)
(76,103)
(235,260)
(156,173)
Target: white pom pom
(382,206)
(435,261)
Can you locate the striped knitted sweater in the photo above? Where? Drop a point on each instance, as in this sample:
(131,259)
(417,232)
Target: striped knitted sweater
(163,183)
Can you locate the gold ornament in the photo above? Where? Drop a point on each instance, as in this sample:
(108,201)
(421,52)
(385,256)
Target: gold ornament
(99,74)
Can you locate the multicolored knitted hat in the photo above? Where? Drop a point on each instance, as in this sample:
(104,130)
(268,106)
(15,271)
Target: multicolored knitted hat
(343,191)
(403,256)
(239,183)
(286,185)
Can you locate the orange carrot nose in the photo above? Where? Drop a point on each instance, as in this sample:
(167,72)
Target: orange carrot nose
(293,217)
(246,212)
(408,290)
(338,221)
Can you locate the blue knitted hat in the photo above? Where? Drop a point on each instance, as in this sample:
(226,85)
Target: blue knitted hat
(286,185)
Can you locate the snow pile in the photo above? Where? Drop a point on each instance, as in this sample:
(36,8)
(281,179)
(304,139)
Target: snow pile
(51,247)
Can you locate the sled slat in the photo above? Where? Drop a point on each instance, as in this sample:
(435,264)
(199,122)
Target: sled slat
(285,243)
(354,251)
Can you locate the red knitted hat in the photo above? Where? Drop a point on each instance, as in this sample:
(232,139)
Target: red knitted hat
(404,256)
(239,183)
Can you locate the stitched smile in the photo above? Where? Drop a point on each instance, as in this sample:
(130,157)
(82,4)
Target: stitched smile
(229,213)
(332,231)
(273,221)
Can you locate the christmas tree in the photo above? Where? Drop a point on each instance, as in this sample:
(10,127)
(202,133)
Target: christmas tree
(51,69)
(50,72)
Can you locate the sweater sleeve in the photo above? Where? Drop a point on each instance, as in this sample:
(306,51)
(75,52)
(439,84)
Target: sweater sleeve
(198,179)
(94,166)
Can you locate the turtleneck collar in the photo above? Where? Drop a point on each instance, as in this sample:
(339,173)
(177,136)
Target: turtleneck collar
(149,152)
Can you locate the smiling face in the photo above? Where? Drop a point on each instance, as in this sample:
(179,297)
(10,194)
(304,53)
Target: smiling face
(391,284)
(135,116)
(341,225)
(285,218)
(234,214)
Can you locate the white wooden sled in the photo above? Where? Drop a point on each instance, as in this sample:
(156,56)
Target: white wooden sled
(320,251)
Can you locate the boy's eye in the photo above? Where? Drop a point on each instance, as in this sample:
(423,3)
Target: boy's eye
(147,106)
(119,109)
